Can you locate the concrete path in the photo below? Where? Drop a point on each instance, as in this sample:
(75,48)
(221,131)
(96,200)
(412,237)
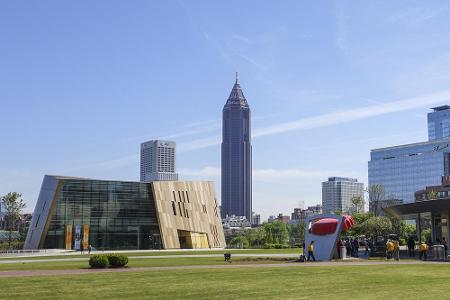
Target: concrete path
(14,261)
(24,273)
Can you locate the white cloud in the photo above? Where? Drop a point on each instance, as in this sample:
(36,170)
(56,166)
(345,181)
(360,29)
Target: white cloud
(345,116)
(341,31)
(260,174)
(241,38)
(203,172)
(333,118)
(416,15)
(104,165)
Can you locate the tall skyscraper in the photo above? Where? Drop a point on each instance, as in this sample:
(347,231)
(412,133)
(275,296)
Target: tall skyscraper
(236,155)
(158,161)
(439,123)
(337,194)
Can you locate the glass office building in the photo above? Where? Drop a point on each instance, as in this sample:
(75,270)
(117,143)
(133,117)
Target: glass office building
(405,169)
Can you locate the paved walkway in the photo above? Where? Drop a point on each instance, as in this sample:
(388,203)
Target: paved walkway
(224,266)
(14,261)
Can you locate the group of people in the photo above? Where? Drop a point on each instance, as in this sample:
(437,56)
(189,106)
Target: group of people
(425,246)
(351,246)
(393,249)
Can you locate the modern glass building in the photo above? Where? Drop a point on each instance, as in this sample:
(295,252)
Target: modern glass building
(77,212)
(405,169)
(337,194)
(439,123)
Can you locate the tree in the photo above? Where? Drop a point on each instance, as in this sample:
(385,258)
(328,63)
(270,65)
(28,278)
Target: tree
(377,194)
(358,204)
(13,204)
(407,230)
(358,229)
(375,226)
(256,236)
(296,233)
(276,232)
(432,195)
(240,242)
(425,235)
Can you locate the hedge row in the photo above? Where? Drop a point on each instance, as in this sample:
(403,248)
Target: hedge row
(108,260)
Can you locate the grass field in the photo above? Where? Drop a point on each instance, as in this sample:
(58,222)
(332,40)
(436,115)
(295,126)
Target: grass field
(142,262)
(296,251)
(343,282)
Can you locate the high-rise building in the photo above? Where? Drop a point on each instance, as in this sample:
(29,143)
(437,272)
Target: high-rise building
(403,170)
(439,123)
(337,194)
(236,155)
(256,219)
(158,161)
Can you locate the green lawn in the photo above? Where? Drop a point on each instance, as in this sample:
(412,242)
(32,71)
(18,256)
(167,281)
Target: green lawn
(343,282)
(296,251)
(141,262)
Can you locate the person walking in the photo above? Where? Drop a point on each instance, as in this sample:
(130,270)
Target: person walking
(396,249)
(389,249)
(89,249)
(355,248)
(339,247)
(444,242)
(348,247)
(411,245)
(311,251)
(423,248)
(366,245)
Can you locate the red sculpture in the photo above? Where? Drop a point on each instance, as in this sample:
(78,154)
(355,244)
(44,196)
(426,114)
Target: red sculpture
(348,223)
(328,225)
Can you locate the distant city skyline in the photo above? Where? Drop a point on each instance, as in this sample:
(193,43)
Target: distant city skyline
(327,83)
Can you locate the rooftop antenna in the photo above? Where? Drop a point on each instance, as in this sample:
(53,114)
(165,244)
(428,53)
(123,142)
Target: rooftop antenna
(236,77)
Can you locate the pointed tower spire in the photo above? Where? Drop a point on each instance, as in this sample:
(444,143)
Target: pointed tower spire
(237,96)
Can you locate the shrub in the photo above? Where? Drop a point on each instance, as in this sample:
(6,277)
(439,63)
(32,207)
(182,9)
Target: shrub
(269,246)
(117,260)
(98,261)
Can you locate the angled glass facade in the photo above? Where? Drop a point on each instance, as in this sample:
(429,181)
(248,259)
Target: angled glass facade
(405,169)
(115,215)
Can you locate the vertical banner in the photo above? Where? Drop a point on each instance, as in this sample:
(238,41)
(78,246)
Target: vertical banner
(77,237)
(85,236)
(69,229)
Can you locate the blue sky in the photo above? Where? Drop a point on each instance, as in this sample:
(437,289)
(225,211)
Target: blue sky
(83,83)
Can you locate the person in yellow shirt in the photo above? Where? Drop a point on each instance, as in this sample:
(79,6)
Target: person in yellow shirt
(423,248)
(389,249)
(311,251)
(396,249)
